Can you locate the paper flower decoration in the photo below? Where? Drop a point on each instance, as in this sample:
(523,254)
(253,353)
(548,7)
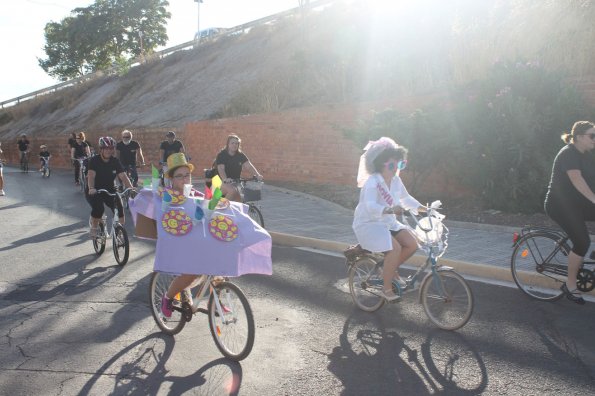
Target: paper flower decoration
(176,222)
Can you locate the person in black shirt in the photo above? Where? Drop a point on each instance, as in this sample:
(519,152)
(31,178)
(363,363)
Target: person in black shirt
(570,200)
(23,146)
(44,155)
(103,169)
(230,163)
(79,150)
(127,151)
(168,147)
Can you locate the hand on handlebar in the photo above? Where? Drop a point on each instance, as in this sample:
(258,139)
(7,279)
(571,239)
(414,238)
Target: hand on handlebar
(92,191)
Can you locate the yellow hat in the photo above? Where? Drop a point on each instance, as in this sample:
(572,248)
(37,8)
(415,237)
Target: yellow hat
(176,160)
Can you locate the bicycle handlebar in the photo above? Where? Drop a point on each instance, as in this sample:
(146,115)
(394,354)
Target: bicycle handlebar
(116,193)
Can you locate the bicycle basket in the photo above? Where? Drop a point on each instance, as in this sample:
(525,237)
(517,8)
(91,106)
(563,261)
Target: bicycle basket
(432,234)
(252,191)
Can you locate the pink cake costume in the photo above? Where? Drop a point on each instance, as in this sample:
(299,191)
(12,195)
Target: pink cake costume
(191,239)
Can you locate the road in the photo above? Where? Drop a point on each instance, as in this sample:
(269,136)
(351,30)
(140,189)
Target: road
(74,323)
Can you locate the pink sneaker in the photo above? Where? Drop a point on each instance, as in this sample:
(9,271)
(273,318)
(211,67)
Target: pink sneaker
(166,306)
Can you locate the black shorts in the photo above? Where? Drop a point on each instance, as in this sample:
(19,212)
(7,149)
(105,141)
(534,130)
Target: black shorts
(98,200)
(572,218)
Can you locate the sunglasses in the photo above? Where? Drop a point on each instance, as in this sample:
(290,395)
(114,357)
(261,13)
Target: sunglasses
(393,165)
(181,176)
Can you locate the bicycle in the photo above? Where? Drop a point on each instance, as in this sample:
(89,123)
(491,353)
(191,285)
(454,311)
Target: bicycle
(117,232)
(45,168)
(130,194)
(231,321)
(82,172)
(25,161)
(539,263)
(444,294)
(250,191)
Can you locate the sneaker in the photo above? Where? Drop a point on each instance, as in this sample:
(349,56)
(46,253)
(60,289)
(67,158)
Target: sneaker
(2,193)
(573,295)
(167,306)
(389,295)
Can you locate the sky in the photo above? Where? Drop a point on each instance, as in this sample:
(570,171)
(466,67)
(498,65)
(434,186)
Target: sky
(22,23)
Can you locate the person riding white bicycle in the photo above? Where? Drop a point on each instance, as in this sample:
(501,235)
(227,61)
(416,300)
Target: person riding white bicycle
(128,151)
(79,151)
(23,144)
(383,195)
(102,171)
(44,155)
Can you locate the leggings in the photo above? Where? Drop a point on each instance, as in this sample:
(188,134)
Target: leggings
(572,219)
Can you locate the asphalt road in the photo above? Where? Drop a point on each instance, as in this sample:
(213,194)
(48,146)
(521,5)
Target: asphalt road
(74,323)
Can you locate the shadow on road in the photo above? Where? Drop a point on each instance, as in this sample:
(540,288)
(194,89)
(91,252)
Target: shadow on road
(58,232)
(388,365)
(143,372)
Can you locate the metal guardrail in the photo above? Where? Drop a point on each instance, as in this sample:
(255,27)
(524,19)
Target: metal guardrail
(160,54)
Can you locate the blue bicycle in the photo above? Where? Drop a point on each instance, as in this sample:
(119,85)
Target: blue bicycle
(445,295)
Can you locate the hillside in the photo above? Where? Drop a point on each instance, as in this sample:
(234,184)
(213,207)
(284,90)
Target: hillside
(346,53)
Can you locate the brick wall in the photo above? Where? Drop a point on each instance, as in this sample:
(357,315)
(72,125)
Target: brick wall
(303,145)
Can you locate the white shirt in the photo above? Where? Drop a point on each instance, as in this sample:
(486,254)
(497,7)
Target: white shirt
(372,227)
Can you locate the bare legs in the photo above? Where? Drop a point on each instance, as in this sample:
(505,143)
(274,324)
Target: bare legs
(404,245)
(180,283)
(574,264)
(231,192)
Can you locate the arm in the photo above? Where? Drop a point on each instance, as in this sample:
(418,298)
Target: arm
(125,180)
(182,148)
(91,182)
(370,202)
(87,150)
(72,153)
(161,154)
(140,154)
(248,165)
(222,174)
(578,181)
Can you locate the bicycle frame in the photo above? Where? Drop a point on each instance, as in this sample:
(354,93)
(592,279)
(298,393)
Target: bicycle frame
(202,293)
(116,218)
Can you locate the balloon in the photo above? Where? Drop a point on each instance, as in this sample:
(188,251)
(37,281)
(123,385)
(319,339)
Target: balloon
(216,182)
(208,193)
(154,172)
(147,182)
(166,197)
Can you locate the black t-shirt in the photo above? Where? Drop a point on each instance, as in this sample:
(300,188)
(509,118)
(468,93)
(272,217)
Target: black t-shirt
(128,152)
(79,149)
(44,154)
(233,163)
(169,149)
(560,187)
(105,172)
(23,144)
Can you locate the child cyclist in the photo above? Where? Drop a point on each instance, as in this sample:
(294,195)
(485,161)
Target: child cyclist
(44,155)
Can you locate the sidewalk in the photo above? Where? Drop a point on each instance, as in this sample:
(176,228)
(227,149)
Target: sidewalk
(298,219)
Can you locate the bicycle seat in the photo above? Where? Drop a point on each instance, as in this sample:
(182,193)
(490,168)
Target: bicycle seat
(354,251)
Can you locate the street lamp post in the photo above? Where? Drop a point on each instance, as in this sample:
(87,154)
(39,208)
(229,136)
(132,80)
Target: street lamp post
(198,20)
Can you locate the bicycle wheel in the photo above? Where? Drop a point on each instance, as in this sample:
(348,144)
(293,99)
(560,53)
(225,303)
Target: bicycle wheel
(365,284)
(120,244)
(447,299)
(534,279)
(99,240)
(234,331)
(157,288)
(255,214)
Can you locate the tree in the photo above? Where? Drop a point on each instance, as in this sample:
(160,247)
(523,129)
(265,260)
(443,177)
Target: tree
(108,31)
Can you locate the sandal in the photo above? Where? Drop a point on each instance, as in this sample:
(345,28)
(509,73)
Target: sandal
(389,297)
(573,295)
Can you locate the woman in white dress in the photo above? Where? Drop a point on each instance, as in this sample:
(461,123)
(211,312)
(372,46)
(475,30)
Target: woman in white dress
(382,197)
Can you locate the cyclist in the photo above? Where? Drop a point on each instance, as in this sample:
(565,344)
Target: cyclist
(570,198)
(230,163)
(102,171)
(127,151)
(1,175)
(23,146)
(79,150)
(169,146)
(383,195)
(43,155)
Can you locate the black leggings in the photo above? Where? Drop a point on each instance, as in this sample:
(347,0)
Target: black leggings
(99,199)
(572,219)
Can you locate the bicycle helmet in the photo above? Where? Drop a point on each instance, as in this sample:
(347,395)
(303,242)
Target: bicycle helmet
(107,142)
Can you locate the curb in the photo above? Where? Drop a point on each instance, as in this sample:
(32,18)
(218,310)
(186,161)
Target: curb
(464,268)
